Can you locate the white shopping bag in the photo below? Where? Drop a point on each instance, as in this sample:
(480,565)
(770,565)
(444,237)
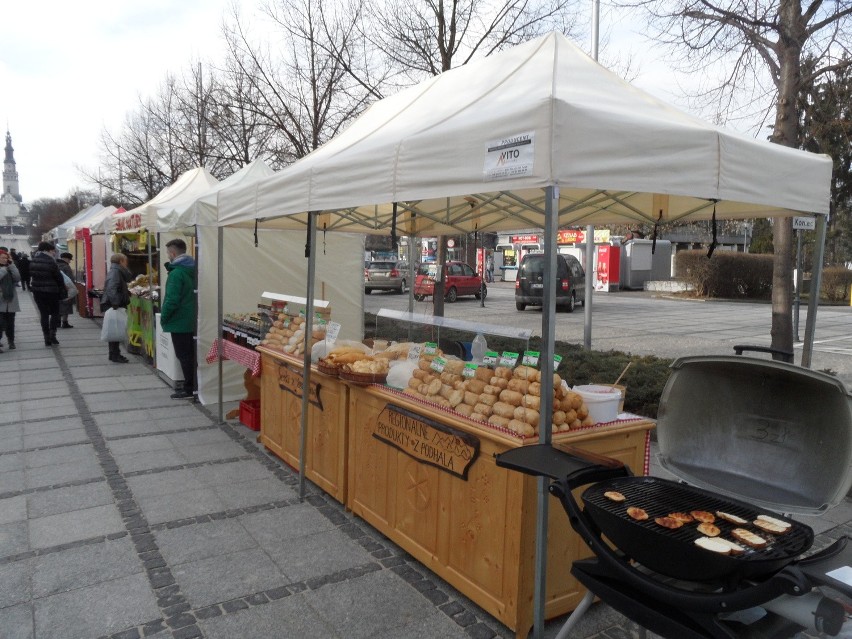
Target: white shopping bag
(115,325)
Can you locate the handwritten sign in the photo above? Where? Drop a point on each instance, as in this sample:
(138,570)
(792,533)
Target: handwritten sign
(290,380)
(430,442)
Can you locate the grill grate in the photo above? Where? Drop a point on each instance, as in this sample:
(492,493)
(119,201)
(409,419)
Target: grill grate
(659,498)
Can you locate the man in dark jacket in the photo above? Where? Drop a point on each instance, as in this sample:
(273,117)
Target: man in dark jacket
(117,295)
(24,268)
(66,306)
(48,288)
(178,313)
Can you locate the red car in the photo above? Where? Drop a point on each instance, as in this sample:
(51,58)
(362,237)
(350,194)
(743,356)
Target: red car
(459,279)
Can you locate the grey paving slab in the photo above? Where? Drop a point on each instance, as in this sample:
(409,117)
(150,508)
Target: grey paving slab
(70,436)
(61,455)
(318,554)
(59,402)
(226,577)
(172,481)
(17,622)
(84,566)
(435,625)
(13,538)
(232,473)
(271,528)
(30,376)
(67,409)
(13,509)
(199,438)
(11,461)
(53,530)
(62,500)
(96,610)
(62,473)
(252,493)
(375,603)
(12,441)
(146,426)
(149,459)
(12,480)
(139,444)
(212,539)
(289,617)
(15,584)
(189,503)
(210,452)
(45,390)
(51,425)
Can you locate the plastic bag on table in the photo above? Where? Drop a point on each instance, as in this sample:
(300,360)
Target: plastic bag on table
(115,325)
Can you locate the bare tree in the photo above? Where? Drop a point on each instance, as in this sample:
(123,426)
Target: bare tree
(750,40)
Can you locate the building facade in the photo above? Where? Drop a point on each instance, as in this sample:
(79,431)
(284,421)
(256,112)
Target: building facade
(14,217)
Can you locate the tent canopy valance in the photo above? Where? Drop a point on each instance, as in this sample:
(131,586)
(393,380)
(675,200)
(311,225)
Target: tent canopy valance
(190,184)
(473,149)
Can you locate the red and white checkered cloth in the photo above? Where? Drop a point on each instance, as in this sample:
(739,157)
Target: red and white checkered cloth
(246,357)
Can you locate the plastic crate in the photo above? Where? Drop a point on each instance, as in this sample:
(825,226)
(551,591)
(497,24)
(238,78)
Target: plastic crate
(250,413)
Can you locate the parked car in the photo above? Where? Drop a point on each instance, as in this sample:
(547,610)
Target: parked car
(386,276)
(459,279)
(570,282)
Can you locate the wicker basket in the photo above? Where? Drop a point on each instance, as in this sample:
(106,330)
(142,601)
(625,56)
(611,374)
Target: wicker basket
(332,370)
(362,379)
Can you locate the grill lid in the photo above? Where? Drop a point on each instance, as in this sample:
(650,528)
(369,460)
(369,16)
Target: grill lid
(771,433)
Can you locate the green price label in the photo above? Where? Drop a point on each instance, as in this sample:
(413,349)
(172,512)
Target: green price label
(557,360)
(491,358)
(531,358)
(438,364)
(430,348)
(508,359)
(469,370)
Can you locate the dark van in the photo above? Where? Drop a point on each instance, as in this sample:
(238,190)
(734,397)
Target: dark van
(570,282)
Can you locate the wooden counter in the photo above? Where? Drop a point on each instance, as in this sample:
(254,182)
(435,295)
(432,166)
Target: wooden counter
(281,415)
(478,532)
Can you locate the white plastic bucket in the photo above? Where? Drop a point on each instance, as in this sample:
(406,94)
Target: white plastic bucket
(602,401)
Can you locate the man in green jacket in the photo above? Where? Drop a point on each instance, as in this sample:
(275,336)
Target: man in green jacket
(177,315)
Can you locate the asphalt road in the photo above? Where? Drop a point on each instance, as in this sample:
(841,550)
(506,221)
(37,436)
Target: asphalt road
(652,324)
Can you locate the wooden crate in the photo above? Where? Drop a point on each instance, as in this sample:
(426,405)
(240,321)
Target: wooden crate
(476,533)
(281,414)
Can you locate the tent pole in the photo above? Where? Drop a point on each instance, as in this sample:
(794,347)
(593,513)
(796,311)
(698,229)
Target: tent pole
(220,311)
(816,284)
(548,338)
(150,285)
(310,249)
(590,229)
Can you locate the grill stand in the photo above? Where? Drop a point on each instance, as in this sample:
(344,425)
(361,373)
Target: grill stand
(673,611)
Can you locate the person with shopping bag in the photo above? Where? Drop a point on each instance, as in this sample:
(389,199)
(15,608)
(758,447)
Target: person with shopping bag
(116,299)
(9,305)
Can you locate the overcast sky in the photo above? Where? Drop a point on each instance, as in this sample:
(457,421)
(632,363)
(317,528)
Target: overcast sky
(68,69)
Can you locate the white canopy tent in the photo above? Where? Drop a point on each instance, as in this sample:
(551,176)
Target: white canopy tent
(63,231)
(539,136)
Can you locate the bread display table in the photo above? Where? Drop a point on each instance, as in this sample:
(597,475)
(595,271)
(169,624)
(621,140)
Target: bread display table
(281,413)
(427,480)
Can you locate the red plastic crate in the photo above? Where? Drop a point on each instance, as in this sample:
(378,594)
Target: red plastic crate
(250,413)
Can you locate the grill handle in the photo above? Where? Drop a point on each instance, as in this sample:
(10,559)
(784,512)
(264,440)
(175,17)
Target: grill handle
(788,581)
(578,467)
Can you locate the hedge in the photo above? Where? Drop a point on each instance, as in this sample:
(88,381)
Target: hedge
(727,274)
(836,284)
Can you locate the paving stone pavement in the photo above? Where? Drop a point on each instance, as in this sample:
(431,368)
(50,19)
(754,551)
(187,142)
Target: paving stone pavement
(124,514)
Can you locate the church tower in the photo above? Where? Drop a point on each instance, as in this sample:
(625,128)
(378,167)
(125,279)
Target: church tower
(10,172)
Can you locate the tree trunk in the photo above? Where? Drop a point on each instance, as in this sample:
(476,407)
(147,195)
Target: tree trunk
(785,132)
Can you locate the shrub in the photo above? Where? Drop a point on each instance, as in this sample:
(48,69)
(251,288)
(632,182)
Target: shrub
(836,282)
(727,274)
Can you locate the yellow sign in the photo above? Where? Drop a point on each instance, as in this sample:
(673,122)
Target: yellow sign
(430,442)
(290,380)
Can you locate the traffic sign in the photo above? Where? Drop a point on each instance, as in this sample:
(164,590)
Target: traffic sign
(804,223)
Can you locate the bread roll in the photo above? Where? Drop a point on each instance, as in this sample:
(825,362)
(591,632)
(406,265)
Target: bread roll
(521,428)
(499,382)
(531,401)
(491,390)
(454,366)
(412,391)
(520,385)
(557,382)
(570,416)
(419,374)
(496,420)
(479,417)
(445,391)
(527,415)
(534,389)
(424,364)
(475,385)
(459,384)
(483,409)
(464,409)
(455,398)
(483,374)
(414,383)
(471,398)
(559,418)
(448,378)
(526,372)
(503,371)
(503,410)
(588,421)
(434,387)
(576,423)
(582,412)
(487,399)
(511,397)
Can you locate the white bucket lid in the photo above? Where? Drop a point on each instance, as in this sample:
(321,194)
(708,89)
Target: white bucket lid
(597,393)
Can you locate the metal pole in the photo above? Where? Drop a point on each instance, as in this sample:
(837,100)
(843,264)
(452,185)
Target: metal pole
(548,339)
(220,312)
(412,275)
(590,229)
(306,362)
(816,284)
(798,300)
(150,284)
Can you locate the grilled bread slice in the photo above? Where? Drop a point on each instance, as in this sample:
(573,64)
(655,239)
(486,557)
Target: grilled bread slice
(771,526)
(681,517)
(614,495)
(669,522)
(637,513)
(739,521)
(713,545)
(749,538)
(775,522)
(703,516)
(711,530)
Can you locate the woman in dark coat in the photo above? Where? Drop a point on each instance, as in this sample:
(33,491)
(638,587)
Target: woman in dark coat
(48,287)
(117,295)
(66,306)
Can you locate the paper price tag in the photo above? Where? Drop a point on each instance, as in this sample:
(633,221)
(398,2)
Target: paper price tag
(438,364)
(531,358)
(490,358)
(508,359)
(430,348)
(331,332)
(557,360)
(414,352)
(469,370)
